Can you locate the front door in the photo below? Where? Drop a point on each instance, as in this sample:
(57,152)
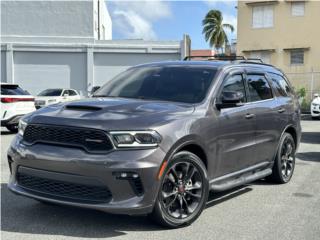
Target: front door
(236,132)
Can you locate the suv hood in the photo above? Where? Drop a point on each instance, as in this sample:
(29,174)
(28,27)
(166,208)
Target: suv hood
(112,113)
(316,100)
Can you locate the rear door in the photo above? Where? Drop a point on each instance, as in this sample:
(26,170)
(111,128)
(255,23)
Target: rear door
(236,132)
(265,107)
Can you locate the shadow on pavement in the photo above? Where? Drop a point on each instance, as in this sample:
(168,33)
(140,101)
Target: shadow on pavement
(309,156)
(220,197)
(310,137)
(24,215)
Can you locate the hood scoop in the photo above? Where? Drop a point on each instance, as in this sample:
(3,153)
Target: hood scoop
(82,108)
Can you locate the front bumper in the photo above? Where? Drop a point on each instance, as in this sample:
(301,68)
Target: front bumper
(315,110)
(78,169)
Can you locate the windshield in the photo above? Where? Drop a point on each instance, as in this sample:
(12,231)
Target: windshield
(12,90)
(51,92)
(188,84)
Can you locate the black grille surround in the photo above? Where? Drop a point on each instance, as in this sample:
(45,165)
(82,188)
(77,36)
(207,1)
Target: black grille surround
(63,190)
(91,140)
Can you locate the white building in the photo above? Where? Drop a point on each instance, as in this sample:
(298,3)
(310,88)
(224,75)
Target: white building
(48,44)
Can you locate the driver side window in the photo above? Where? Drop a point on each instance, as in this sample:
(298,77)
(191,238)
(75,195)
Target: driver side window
(234,83)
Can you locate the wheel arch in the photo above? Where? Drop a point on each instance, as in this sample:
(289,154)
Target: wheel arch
(192,144)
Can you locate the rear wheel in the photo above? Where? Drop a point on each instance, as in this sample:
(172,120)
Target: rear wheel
(285,160)
(183,192)
(13,128)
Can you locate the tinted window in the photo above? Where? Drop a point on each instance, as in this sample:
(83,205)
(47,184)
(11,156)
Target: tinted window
(51,92)
(12,90)
(235,83)
(280,84)
(72,93)
(259,88)
(187,84)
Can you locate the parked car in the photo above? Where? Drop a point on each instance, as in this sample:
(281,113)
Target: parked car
(15,102)
(158,137)
(55,95)
(315,107)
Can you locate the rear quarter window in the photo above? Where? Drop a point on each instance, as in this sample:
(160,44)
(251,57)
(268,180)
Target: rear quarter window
(12,90)
(280,84)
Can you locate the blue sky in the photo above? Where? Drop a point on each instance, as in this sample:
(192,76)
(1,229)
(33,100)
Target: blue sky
(166,20)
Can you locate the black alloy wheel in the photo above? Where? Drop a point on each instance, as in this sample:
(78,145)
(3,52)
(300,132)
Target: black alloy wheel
(285,160)
(183,192)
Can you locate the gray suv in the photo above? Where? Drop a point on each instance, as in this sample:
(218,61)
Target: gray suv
(158,137)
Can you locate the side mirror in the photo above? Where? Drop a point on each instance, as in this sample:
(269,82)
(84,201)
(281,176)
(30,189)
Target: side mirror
(66,95)
(230,99)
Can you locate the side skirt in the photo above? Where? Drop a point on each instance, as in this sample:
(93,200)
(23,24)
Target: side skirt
(241,177)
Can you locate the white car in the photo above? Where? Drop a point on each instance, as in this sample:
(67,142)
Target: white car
(55,95)
(315,107)
(15,102)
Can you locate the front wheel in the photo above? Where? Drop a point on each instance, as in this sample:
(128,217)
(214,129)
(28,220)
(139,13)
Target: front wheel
(183,192)
(285,160)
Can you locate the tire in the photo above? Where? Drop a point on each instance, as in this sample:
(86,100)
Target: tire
(13,128)
(284,163)
(182,196)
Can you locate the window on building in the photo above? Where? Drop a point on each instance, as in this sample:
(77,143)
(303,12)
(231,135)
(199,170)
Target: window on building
(297,9)
(259,88)
(262,16)
(297,57)
(265,56)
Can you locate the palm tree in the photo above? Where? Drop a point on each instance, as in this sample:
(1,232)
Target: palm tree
(214,29)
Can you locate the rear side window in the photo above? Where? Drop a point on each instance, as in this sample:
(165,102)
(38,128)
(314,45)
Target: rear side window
(280,84)
(72,93)
(12,90)
(259,88)
(51,92)
(235,83)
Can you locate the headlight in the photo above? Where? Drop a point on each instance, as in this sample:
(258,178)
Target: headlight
(124,139)
(22,126)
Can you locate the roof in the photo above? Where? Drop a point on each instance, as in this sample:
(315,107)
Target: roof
(216,64)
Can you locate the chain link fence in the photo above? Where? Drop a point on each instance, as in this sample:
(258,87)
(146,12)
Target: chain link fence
(310,81)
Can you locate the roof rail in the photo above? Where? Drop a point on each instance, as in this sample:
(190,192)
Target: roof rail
(216,57)
(258,60)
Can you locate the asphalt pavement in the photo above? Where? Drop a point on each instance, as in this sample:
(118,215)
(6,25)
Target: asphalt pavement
(255,211)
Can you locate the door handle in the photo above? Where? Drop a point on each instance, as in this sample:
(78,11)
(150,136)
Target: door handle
(249,115)
(281,110)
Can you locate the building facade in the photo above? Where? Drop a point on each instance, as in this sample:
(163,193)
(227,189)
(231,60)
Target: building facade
(285,34)
(53,44)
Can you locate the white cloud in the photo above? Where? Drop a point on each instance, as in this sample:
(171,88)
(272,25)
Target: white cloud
(213,3)
(134,19)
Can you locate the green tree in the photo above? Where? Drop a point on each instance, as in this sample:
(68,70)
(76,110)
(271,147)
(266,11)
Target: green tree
(214,29)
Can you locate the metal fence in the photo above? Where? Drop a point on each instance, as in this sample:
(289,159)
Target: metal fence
(308,80)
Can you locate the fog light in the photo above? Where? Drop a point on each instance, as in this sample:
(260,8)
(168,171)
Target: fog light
(123,175)
(126,175)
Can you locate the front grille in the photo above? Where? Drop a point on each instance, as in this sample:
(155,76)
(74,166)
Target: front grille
(90,140)
(64,190)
